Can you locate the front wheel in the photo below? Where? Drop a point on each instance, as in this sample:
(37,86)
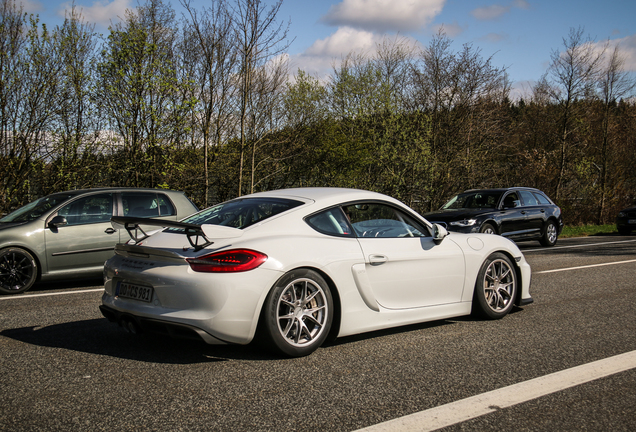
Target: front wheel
(18,270)
(495,288)
(487,229)
(624,231)
(550,235)
(297,314)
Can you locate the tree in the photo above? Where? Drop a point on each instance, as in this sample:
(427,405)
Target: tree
(209,59)
(259,38)
(139,89)
(572,75)
(614,83)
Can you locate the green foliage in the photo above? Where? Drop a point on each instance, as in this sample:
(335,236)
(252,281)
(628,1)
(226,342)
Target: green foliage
(168,104)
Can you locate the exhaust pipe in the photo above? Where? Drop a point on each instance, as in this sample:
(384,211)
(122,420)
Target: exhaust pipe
(130,325)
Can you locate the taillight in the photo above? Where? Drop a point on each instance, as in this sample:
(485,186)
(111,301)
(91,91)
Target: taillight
(237,260)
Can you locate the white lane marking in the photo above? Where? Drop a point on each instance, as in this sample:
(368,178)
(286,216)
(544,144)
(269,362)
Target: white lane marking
(9,297)
(576,246)
(479,405)
(584,267)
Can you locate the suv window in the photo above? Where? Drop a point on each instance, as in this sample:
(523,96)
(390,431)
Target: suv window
(511,200)
(146,204)
(382,221)
(542,199)
(528,198)
(90,209)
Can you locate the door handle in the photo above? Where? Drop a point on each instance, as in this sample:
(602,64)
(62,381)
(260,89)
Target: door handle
(378,259)
(110,231)
(523,212)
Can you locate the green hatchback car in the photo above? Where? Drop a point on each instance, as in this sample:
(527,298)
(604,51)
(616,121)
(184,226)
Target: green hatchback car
(69,234)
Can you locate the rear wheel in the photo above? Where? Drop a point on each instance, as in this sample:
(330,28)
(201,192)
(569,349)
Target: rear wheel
(495,288)
(549,235)
(297,314)
(18,270)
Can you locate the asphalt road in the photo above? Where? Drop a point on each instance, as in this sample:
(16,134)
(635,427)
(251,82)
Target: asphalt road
(64,367)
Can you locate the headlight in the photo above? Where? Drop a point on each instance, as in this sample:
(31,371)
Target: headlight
(464,223)
(621,214)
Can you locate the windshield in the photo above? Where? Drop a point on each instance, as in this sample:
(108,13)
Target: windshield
(473,200)
(36,209)
(241,213)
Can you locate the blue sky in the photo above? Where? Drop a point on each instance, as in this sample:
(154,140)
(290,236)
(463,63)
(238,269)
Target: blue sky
(519,34)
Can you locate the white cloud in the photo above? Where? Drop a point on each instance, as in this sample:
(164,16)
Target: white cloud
(384,15)
(320,58)
(101,12)
(495,11)
(627,48)
(451,30)
(344,40)
(32,6)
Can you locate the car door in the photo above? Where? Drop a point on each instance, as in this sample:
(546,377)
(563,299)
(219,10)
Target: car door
(406,269)
(511,216)
(534,213)
(88,238)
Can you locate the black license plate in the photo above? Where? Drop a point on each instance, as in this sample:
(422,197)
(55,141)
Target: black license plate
(134,291)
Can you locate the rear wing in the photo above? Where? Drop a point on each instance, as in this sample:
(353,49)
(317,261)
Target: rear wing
(132,224)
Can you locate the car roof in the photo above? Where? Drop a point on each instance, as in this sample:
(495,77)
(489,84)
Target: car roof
(111,189)
(326,196)
(514,188)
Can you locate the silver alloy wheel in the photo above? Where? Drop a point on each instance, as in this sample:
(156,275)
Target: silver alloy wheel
(302,312)
(489,230)
(499,285)
(551,233)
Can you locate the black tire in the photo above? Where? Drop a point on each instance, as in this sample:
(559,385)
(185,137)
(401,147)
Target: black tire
(495,287)
(624,231)
(550,234)
(297,314)
(488,228)
(18,270)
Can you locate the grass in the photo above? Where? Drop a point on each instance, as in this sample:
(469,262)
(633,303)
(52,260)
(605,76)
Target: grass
(587,230)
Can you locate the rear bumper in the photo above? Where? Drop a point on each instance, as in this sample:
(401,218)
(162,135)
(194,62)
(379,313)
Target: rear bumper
(137,324)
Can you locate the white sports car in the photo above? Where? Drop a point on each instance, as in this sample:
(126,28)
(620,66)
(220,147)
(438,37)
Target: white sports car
(296,267)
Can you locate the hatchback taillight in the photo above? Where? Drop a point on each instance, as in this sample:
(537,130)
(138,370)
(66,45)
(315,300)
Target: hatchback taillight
(237,260)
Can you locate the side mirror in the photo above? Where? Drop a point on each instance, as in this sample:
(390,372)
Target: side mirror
(439,233)
(57,222)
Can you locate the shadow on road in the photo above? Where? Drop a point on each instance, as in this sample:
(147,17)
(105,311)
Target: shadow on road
(99,336)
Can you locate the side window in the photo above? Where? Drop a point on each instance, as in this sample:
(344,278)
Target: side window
(87,210)
(511,200)
(542,199)
(146,204)
(331,222)
(528,198)
(165,206)
(382,221)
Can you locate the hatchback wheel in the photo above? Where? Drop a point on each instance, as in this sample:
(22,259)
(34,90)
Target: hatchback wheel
(298,313)
(495,288)
(18,270)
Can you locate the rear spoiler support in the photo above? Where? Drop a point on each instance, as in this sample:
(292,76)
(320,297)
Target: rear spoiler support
(193,232)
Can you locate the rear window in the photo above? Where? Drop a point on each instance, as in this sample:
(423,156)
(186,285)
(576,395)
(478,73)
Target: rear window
(243,212)
(542,198)
(146,204)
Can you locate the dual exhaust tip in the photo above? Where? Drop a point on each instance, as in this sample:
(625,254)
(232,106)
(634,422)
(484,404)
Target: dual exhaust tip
(127,322)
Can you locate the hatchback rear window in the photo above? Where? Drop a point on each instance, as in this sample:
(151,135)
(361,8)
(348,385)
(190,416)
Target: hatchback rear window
(243,212)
